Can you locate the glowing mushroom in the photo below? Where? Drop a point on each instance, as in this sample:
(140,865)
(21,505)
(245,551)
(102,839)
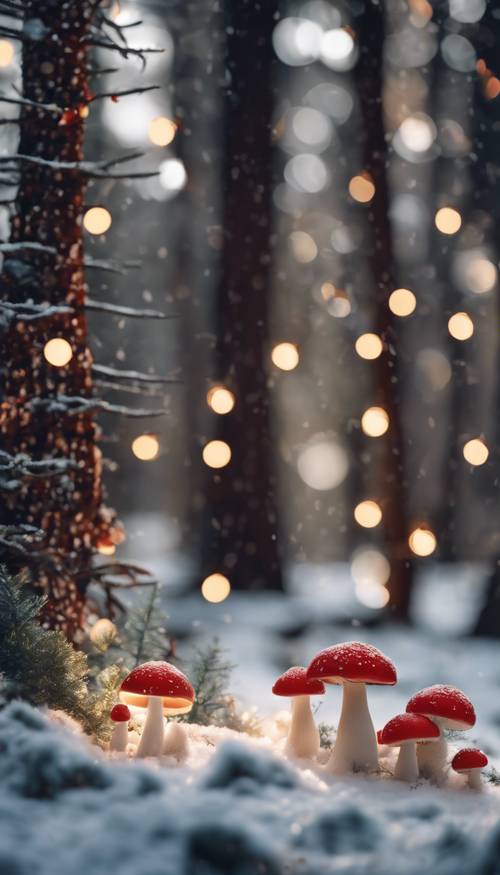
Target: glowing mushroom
(160,689)
(449,708)
(470,761)
(303,735)
(353,665)
(404,731)
(120,715)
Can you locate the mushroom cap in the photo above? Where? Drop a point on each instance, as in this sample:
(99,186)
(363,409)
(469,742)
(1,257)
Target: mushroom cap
(295,682)
(120,714)
(447,704)
(159,679)
(408,727)
(353,662)
(469,758)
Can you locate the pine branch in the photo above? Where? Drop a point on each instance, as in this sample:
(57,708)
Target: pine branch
(131,312)
(144,635)
(74,405)
(108,265)
(8,248)
(90,169)
(114,95)
(134,376)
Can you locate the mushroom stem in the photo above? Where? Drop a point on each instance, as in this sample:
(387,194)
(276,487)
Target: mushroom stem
(356,745)
(119,736)
(431,757)
(407,766)
(176,741)
(303,736)
(474,779)
(151,742)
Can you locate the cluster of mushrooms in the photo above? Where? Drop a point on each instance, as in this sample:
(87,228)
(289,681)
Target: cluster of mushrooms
(160,690)
(418,733)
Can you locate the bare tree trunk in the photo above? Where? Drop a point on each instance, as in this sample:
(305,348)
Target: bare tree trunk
(48,210)
(369,78)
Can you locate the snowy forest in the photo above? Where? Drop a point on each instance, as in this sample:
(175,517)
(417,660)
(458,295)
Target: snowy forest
(249,440)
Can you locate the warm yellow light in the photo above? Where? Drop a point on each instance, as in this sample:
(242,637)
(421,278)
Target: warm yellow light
(475,452)
(361,189)
(369,346)
(97,220)
(161,131)
(103,632)
(285,356)
(58,352)
(220,399)
(216,454)
(368,514)
(146,447)
(6,53)
(461,326)
(106,549)
(422,542)
(402,302)
(215,588)
(375,421)
(448,220)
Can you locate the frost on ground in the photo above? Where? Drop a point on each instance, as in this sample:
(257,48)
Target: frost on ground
(237,808)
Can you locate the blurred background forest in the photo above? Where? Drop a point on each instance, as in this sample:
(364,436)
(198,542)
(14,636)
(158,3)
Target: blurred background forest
(324,227)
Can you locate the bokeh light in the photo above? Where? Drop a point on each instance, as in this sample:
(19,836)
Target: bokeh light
(297,41)
(285,356)
(58,352)
(97,220)
(146,447)
(461,326)
(337,49)
(216,454)
(369,346)
(475,452)
(338,303)
(368,514)
(361,189)
(480,275)
(220,399)
(375,421)
(402,302)
(322,464)
(422,541)
(448,220)
(303,247)
(173,176)
(6,53)
(161,131)
(215,588)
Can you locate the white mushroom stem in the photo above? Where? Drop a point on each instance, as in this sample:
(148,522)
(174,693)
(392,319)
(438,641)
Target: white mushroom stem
(474,779)
(176,741)
(431,757)
(119,736)
(303,735)
(407,766)
(356,745)
(151,743)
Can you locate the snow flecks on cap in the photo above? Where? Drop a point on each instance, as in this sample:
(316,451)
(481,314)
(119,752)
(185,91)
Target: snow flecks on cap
(469,758)
(158,679)
(354,662)
(408,727)
(120,714)
(447,703)
(295,682)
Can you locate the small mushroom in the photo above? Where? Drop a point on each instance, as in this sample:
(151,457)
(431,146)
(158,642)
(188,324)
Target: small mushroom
(449,708)
(120,715)
(353,665)
(159,689)
(404,731)
(303,735)
(176,742)
(470,761)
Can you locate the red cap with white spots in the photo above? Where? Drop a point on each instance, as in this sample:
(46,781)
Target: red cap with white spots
(469,758)
(120,714)
(447,705)
(160,679)
(295,682)
(408,727)
(354,662)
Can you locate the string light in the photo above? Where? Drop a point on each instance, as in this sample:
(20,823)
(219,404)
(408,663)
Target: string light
(368,514)
(375,421)
(220,399)
(58,352)
(475,452)
(216,454)
(6,53)
(422,542)
(97,220)
(106,547)
(461,326)
(215,588)
(361,189)
(161,131)
(285,356)
(369,346)
(448,220)
(146,447)
(402,302)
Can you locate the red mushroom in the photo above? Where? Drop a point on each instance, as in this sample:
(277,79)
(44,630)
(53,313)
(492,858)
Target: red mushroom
(159,688)
(303,736)
(449,708)
(404,731)
(353,665)
(120,715)
(470,761)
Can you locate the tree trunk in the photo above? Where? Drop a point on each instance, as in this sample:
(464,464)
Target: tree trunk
(48,210)
(369,79)
(242,537)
